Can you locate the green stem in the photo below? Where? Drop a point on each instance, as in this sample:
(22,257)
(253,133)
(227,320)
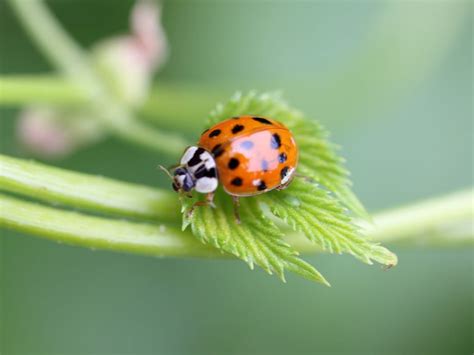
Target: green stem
(451,215)
(67,56)
(56,44)
(44,89)
(98,233)
(96,193)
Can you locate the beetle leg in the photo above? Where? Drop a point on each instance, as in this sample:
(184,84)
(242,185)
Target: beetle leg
(305,178)
(236,201)
(285,185)
(210,199)
(208,202)
(282,187)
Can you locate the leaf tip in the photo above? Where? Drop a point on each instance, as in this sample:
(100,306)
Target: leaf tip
(392,261)
(186,223)
(280,272)
(385,257)
(321,279)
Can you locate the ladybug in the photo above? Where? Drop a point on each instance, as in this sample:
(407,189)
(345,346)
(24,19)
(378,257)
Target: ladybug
(248,155)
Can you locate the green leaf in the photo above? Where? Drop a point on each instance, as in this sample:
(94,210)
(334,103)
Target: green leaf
(256,240)
(313,211)
(317,205)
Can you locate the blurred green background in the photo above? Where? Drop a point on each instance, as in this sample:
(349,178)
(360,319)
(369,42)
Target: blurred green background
(391,80)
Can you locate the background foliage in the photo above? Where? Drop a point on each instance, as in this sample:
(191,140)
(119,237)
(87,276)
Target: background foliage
(392,81)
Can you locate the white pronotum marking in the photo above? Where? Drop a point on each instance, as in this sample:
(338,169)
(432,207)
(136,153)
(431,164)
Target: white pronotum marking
(208,160)
(205,185)
(188,154)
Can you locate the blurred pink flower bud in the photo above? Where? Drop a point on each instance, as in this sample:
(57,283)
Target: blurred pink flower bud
(124,69)
(145,23)
(42,134)
(52,134)
(128,62)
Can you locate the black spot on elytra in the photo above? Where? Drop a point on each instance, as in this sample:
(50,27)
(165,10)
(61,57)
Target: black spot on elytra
(262,186)
(275,142)
(237,181)
(237,128)
(261,120)
(233,163)
(217,151)
(247,145)
(284,172)
(196,159)
(215,133)
(264,165)
(282,157)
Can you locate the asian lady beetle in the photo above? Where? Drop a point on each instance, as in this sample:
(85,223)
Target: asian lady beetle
(248,155)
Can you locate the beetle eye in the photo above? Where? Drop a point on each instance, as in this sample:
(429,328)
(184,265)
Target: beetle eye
(188,183)
(175,187)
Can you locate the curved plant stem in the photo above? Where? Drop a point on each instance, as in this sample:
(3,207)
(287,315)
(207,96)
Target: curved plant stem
(69,58)
(56,45)
(98,233)
(96,193)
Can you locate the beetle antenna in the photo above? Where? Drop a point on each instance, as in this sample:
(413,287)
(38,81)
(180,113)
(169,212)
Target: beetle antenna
(167,172)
